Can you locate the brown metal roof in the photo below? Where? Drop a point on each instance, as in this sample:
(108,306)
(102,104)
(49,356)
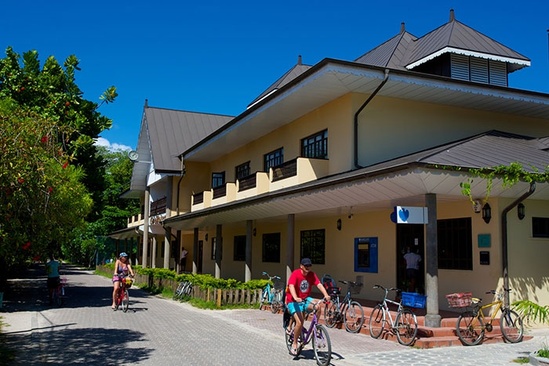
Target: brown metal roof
(294,72)
(404,51)
(171,131)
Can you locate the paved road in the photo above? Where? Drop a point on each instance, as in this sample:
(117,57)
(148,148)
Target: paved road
(158,331)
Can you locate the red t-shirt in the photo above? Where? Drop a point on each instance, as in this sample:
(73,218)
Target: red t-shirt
(303,285)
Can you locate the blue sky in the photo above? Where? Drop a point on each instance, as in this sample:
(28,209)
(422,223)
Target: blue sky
(217,56)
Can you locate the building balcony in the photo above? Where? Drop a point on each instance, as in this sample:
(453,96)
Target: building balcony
(291,173)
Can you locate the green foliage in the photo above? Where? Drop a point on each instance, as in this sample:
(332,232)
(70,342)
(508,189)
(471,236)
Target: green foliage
(510,174)
(532,312)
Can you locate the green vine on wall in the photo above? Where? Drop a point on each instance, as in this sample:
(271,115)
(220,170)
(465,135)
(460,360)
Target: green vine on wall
(510,174)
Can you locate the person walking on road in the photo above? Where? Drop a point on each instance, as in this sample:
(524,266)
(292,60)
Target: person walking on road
(300,284)
(52,269)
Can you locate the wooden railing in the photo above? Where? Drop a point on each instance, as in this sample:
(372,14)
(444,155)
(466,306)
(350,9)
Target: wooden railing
(158,207)
(285,170)
(198,198)
(248,182)
(220,191)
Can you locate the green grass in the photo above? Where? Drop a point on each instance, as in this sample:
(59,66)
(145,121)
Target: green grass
(522,360)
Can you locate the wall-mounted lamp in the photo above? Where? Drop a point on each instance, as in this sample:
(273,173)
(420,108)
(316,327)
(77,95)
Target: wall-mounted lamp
(339,224)
(254,231)
(486,213)
(206,237)
(477,206)
(521,211)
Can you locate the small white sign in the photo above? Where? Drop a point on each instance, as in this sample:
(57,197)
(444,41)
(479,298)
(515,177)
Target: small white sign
(411,215)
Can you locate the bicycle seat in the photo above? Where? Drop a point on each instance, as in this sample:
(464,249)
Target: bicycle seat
(333,291)
(476,300)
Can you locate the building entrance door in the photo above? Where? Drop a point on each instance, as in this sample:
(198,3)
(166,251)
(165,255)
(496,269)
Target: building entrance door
(410,236)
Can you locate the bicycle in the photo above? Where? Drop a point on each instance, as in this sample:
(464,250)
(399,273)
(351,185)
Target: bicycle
(346,311)
(273,295)
(404,326)
(123,298)
(58,294)
(471,326)
(316,332)
(183,291)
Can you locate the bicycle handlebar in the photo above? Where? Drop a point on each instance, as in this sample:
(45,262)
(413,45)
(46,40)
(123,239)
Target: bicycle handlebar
(387,289)
(271,277)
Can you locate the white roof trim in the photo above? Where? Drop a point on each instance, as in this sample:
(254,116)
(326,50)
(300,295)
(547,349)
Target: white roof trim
(467,53)
(265,96)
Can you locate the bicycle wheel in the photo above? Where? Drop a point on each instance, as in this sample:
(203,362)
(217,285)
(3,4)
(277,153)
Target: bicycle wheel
(330,315)
(511,326)
(125,301)
(406,327)
(322,345)
(277,303)
(180,290)
(377,321)
(354,317)
(264,299)
(470,329)
(290,340)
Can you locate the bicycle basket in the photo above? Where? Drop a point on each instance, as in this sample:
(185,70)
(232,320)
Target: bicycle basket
(459,299)
(278,284)
(128,281)
(355,288)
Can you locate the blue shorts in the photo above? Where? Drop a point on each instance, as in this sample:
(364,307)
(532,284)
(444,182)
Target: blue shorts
(294,307)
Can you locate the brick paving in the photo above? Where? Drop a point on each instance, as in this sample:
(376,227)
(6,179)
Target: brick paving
(157,331)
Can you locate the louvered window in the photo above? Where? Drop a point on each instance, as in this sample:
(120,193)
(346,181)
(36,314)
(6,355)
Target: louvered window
(498,73)
(479,70)
(460,67)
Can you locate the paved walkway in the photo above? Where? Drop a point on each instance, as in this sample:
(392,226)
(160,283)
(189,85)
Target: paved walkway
(159,331)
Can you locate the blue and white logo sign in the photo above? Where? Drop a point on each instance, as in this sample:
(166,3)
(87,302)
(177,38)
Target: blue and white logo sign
(410,215)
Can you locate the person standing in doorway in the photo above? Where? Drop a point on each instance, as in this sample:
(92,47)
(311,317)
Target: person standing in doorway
(183,261)
(412,268)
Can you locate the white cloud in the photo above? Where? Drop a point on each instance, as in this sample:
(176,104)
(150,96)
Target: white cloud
(101,141)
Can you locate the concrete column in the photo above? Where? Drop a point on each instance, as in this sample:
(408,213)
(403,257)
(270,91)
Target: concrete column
(167,246)
(290,248)
(249,232)
(168,231)
(195,251)
(432,318)
(153,253)
(146,212)
(218,250)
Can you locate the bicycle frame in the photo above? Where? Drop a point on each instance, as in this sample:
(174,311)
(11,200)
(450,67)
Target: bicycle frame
(271,296)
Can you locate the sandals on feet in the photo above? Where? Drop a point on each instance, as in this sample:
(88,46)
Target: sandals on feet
(293,351)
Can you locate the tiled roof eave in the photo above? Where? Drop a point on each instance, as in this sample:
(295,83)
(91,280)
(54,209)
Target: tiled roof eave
(521,62)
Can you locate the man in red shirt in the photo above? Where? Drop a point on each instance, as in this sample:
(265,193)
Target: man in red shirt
(300,284)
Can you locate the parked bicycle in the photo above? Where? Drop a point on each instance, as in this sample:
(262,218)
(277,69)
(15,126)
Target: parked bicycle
(472,325)
(123,298)
(346,310)
(58,294)
(273,295)
(316,333)
(183,291)
(404,326)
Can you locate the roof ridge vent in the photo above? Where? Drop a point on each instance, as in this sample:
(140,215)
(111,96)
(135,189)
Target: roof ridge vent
(452,16)
(402,28)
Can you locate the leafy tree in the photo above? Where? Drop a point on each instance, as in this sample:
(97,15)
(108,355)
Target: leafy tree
(52,93)
(42,196)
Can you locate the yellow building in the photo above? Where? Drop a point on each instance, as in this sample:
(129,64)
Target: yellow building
(351,162)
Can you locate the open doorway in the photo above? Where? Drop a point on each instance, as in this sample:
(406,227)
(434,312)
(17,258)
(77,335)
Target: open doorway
(412,236)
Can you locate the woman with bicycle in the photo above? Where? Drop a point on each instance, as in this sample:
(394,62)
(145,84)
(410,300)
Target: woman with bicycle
(300,284)
(122,268)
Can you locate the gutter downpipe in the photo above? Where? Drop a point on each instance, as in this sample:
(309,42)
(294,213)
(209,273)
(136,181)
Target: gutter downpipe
(504,246)
(357,166)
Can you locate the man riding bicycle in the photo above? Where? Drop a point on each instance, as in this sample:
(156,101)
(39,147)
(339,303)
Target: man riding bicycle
(300,284)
